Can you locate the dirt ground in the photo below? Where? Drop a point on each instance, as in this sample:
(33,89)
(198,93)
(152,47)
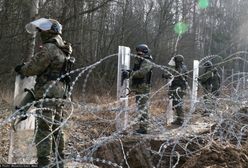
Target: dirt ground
(4,132)
(219,156)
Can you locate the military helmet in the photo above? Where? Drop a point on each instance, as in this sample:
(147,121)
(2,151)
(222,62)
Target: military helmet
(178,58)
(44,24)
(208,64)
(56,27)
(142,48)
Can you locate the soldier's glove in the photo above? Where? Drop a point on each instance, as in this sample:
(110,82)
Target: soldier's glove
(166,76)
(18,68)
(125,74)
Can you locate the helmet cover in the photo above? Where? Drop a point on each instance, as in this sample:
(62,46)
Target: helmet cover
(44,24)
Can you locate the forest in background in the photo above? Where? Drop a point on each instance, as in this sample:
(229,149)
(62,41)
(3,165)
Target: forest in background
(97,27)
(196,29)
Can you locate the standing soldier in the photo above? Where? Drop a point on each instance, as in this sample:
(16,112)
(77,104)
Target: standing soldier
(210,79)
(178,87)
(141,84)
(48,64)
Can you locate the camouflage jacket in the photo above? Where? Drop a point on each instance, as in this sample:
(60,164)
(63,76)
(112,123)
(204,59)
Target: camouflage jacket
(216,80)
(180,77)
(47,65)
(210,79)
(141,75)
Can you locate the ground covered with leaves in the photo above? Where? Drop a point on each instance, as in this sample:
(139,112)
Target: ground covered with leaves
(5,109)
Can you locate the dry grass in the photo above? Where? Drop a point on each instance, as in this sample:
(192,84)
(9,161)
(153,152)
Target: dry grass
(7,95)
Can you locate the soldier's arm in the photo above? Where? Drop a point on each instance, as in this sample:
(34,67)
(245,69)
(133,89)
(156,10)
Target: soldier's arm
(166,75)
(204,77)
(37,64)
(185,73)
(144,69)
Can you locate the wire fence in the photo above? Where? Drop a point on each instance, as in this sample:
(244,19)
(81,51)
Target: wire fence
(90,127)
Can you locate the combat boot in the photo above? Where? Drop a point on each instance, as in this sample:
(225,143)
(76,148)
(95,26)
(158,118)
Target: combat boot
(178,122)
(141,131)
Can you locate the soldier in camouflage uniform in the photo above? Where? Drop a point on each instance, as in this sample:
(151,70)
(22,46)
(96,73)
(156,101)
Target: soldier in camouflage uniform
(210,79)
(141,84)
(48,64)
(178,87)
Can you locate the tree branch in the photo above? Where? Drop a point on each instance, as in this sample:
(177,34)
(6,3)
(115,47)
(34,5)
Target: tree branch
(88,11)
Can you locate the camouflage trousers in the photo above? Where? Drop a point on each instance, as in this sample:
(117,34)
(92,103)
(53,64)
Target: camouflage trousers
(49,136)
(209,103)
(177,94)
(142,104)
